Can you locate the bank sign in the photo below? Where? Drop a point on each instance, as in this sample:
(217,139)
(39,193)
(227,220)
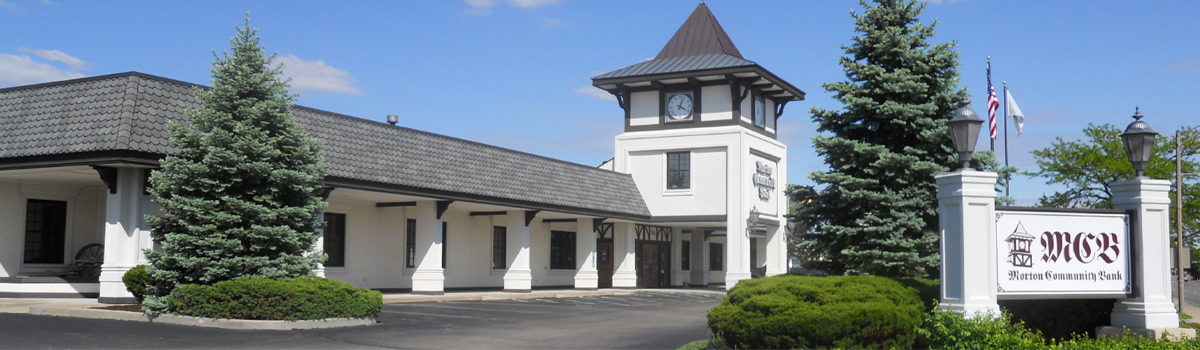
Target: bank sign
(1047,254)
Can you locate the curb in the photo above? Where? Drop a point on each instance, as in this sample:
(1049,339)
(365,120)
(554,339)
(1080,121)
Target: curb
(202,322)
(501,296)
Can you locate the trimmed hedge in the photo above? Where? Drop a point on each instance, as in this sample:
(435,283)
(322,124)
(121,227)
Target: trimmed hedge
(951,330)
(790,312)
(302,298)
(136,280)
(1061,318)
(929,291)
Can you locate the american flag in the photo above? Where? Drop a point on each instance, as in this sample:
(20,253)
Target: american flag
(993,102)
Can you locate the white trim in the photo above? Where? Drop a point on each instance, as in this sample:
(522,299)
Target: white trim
(67,194)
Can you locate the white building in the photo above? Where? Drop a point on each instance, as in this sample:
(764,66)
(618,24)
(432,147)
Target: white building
(411,211)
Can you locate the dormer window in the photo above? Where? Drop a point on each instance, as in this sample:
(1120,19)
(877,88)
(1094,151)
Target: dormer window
(760,112)
(679,106)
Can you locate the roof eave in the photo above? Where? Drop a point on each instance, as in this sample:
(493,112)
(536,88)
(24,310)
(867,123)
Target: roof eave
(796,94)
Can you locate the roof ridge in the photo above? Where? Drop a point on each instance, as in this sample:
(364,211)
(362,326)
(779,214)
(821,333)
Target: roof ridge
(125,118)
(700,34)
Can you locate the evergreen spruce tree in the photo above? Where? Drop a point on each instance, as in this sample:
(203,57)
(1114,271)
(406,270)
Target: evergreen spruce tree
(241,198)
(876,211)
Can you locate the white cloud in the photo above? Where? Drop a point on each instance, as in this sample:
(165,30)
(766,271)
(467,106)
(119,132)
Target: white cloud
(484,7)
(22,70)
(317,76)
(58,56)
(1191,65)
(11,7)
(595,92)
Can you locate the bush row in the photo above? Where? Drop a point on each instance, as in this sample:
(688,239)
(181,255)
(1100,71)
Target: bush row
(302,298)
(874,312)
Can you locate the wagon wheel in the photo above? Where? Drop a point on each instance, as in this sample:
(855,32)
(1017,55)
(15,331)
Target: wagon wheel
(91,253)
(89,259)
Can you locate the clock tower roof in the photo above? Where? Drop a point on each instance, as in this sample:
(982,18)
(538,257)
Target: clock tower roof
(699,53)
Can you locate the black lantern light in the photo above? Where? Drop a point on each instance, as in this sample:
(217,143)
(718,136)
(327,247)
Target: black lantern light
(964,128)
(754,215)
(1139,142)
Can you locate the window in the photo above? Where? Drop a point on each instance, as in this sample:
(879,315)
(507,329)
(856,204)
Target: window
(715,253)
(562,250)
(760,112)
(45,231)
(679,170)
(410,244)
(686,254)
(444,230)
(753,252)
(335,239)
(499,247)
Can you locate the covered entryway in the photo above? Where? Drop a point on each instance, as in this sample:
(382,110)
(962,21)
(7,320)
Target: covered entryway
(653,256)
(604,255)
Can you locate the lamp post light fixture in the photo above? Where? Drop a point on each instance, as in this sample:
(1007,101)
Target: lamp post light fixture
(754,215)
(1139,142)
(964,129)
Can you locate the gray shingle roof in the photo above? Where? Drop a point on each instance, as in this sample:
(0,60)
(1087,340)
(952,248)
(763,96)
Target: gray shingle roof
(678,64)
(129,112)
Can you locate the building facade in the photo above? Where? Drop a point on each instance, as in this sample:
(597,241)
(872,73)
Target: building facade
(411,211)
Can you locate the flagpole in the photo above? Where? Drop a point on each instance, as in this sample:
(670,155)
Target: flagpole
(992,121)
(1007,180)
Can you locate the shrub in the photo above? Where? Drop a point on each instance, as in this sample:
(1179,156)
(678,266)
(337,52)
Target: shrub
(136,280)
(929,291)
(301,298)
(788,312)
(950,330)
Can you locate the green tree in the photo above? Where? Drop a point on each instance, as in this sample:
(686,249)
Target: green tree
(241,197)
(876,212)
(1089,166)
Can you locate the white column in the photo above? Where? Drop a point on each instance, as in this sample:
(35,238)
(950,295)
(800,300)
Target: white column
(586,276)
(737,249)
(967,218)
(1152,308)
(699,268)
(429,277)
(124,228)
(776,249)
(624,259)
(676,256)
(518,278)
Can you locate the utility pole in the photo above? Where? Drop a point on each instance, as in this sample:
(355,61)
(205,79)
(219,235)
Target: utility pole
(1179,256)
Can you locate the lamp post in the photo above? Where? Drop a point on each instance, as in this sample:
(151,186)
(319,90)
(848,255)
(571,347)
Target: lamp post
(1139,143)
(754,215)
(964,129)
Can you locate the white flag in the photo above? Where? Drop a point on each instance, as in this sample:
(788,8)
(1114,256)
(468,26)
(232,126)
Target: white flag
(1014,111)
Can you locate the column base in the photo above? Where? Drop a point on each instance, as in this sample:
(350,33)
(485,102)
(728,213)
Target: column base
(518,280)
(589,279)
(970,310)
(112,287)
(732,278)
(1173,334)
(428,282)
(1144,315)
(625,279)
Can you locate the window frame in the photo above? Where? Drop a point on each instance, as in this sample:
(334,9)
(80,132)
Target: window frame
(337,226)
(445,236)
(676,170)
(758,108)
(716,256)
(410,244)
(685,254)
(562,250)
(499,247)
(53,259)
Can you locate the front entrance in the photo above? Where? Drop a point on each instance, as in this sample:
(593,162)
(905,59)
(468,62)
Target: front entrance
(604,263)
(654,265)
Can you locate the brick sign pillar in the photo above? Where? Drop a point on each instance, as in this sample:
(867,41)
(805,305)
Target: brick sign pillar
(966,214)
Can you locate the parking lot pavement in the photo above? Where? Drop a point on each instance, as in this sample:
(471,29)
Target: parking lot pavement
(641,321)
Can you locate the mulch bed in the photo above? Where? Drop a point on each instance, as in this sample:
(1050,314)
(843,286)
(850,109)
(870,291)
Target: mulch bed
(122,307)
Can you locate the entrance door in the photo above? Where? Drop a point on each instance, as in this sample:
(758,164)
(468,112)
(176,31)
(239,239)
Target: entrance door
(651,269)
(604,263)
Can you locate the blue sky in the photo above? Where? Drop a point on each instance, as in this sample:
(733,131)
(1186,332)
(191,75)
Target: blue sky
(516,73)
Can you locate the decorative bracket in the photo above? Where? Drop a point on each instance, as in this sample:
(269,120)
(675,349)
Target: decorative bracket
(622,95)
(325,192)
(738,92)
(109,176)
(146,182)
(707,234)
(779,109)
(596,224)
(442,206)
(529,214)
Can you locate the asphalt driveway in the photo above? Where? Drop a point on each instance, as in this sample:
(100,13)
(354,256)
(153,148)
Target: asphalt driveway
(640,321)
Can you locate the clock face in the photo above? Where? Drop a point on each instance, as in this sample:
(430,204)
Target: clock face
(679,106)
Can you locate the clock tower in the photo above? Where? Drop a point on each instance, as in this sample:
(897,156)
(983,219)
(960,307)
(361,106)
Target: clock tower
(700,142)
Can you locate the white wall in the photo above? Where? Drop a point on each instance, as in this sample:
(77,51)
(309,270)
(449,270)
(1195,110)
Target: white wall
(643,108)
(715,103)
(374,245)
(708,187)
(85,212)
(717,277)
